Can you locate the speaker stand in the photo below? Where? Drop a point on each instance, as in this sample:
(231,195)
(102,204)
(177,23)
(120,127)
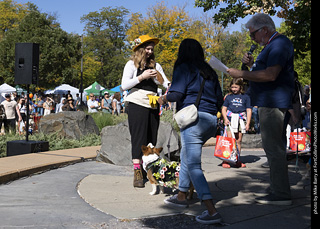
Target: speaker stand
(28,113)
(23,147)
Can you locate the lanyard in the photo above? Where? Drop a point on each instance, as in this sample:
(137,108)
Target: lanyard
(271,38)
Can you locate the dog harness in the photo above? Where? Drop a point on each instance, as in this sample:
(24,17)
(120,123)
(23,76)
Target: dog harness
(147,161)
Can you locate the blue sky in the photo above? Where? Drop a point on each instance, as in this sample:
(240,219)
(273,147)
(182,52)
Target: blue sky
(69,12)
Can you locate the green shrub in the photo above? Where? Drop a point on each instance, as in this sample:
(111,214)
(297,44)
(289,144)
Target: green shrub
(105,119)
(58,143)
(167,116)
(102,119)
(3,142)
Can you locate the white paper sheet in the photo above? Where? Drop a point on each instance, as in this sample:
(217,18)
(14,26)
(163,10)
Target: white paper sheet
(218,65)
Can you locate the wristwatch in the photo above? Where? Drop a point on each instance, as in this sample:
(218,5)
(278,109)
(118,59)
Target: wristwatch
(163,99)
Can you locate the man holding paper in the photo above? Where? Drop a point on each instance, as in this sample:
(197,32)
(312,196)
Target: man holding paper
(217,64)
(271,87)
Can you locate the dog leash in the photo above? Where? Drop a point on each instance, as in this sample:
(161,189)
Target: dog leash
(168,145)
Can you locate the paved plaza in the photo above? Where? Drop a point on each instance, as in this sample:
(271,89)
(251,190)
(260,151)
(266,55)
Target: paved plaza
(92,194)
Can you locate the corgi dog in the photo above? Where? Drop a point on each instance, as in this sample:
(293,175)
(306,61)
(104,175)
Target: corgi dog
(156,169)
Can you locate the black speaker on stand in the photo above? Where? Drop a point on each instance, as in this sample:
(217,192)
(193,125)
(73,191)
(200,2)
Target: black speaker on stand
(26,63)
(26,72)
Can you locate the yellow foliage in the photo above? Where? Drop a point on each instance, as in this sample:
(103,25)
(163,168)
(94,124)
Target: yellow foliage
(11,14)
(91,68)
(171,26)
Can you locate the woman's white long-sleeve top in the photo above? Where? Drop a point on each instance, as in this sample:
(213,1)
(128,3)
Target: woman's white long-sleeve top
(130,79)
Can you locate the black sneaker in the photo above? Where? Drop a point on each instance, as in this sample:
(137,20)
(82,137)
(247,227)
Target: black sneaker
(173,201)
(265,165)
(273,200)
(206,218)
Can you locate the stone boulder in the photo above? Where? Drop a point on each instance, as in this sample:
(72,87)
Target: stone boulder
(251,141)
(70,124)
(116,143)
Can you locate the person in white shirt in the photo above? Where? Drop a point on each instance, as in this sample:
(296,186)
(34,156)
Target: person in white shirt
(23,112)
(48,106)
(141,77)
(116,104)
(10,107)
(60,105)
(93,105)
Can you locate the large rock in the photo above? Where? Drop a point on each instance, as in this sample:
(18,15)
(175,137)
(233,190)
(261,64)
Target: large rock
(116,143)
(251,141)
(71,124)
(168,139)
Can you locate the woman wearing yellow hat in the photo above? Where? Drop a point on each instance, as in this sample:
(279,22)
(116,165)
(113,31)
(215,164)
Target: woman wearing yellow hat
(141,76)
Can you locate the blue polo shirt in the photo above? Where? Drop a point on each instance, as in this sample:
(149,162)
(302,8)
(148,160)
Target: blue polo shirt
(237,103)
(187,81)
(276,94)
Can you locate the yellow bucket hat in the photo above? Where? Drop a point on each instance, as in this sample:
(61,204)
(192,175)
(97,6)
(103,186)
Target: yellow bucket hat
(142,40)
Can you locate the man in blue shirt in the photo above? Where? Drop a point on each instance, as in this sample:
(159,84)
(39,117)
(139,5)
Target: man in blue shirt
(271,86)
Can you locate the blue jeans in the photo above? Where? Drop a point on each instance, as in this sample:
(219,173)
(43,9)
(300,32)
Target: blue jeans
(40,111)
(193,137)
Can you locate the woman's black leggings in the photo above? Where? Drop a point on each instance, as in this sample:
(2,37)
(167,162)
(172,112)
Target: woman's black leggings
(143,127)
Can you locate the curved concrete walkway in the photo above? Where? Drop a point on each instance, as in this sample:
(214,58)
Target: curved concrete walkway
(232,189)
(70,197)
(15,167)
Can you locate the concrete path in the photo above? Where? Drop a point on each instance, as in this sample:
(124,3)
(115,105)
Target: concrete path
(99,195)
(15,167)
(233,192)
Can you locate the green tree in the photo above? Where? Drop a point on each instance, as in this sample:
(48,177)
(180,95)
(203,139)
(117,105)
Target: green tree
(105,35)
(211,35)
(59,51)
(297,24)
(91,69)
(297,15)
(11,15)
(302,60)
(171,26)
(302,65)
(232,47)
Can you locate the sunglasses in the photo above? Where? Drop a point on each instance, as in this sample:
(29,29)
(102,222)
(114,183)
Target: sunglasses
(253,34)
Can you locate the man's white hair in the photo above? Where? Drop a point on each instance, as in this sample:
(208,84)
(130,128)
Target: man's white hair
(260,20)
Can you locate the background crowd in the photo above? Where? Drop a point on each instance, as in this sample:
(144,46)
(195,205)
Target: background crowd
(42,104)
(13,108)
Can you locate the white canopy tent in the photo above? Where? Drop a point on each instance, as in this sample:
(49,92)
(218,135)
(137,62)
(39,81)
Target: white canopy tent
(63,89)
(4,89)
